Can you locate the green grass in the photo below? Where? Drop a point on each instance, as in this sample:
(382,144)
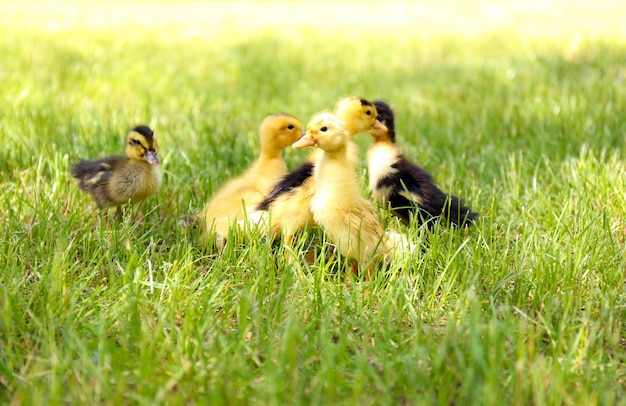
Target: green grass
(518,109)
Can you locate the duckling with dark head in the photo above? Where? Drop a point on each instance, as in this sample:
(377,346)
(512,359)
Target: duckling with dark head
(408,189)
(116,180)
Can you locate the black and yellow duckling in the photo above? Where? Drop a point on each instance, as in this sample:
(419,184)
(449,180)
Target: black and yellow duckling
(290,199)
(408,189)
(116,180)
(238,197)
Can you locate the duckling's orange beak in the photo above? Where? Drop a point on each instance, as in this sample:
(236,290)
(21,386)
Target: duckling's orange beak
(151,157)
(379,126)
(378,130)
(306,141)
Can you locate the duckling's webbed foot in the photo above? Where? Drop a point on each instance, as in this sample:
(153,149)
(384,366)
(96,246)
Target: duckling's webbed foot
(119,214)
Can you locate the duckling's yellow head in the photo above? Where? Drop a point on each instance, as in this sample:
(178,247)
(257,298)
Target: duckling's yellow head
(141,145)
(325,131)
(278,131)
(359,115)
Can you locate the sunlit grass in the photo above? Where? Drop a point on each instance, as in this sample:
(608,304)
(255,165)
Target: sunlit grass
(516,107)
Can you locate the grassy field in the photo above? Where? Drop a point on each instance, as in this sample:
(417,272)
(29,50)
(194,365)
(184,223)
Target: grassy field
(518,107)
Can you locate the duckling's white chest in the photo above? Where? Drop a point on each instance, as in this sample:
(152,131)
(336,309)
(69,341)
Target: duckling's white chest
(380,158)
(157,175)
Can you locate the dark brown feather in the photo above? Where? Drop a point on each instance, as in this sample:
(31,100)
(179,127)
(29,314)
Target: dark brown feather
(91,175)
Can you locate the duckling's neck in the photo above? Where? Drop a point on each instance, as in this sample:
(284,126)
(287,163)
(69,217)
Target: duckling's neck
(336,173)
(269,156)
(381,156)
(141,164)
(268,168)
(315,155)
(353,128)
(268,153)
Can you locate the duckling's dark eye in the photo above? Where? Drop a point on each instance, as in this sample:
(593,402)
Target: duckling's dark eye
(368,112)
(324,129)
(135,142)
(290,127)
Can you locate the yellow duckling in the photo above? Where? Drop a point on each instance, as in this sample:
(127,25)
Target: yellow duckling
(289,202)
(232,201)
(117,180)
(338,205)
(358,115)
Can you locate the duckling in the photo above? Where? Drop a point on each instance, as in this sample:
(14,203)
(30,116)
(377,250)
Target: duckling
(290,199)
(338,206)
(287,207)
(358,115)
(117,180)
(407,188)
(276,132)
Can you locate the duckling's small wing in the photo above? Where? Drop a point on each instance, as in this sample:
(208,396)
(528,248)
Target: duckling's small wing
(287,183)
(92,173)
(416,192)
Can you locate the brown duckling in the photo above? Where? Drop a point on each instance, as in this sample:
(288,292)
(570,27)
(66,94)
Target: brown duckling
(408,189)
(240,195)
(117,180)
